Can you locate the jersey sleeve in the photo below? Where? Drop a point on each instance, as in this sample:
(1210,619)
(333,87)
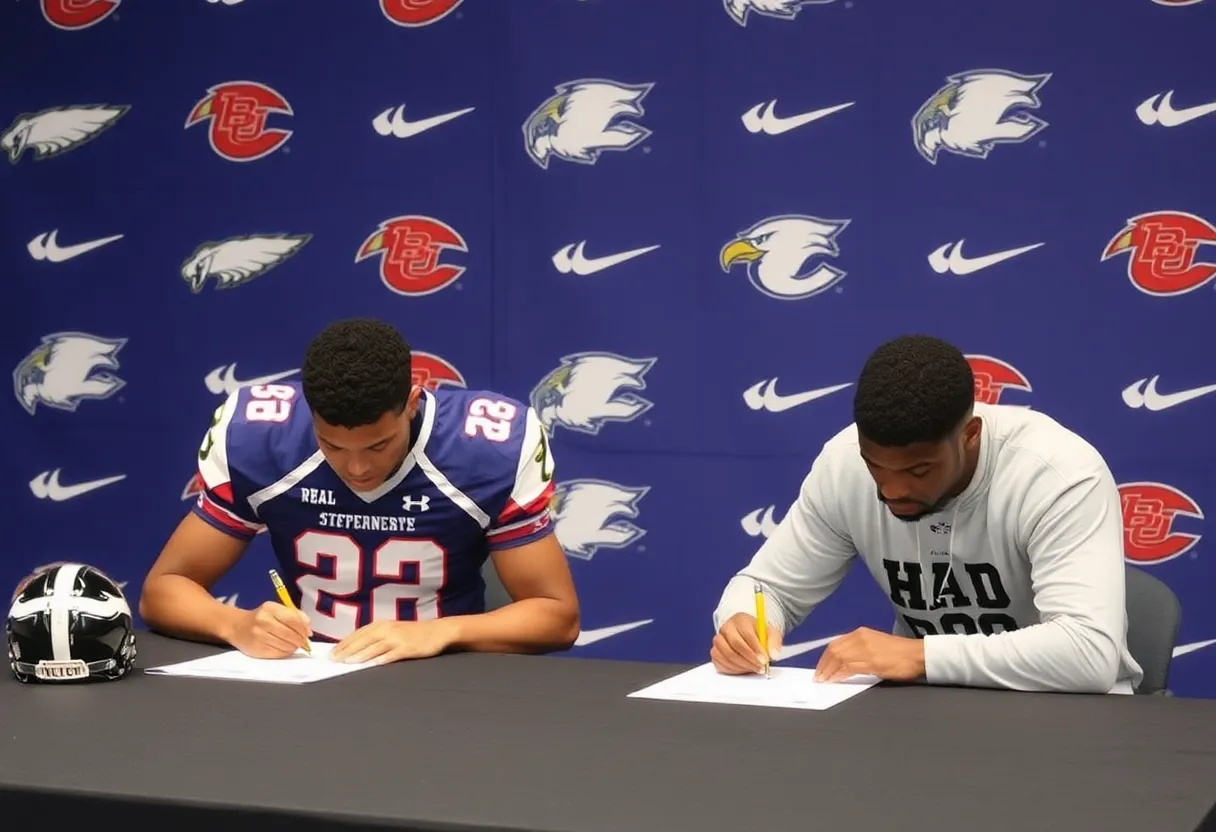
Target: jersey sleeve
(225,488)
(526,516)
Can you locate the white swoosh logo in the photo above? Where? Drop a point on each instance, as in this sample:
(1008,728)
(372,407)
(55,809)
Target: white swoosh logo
(46,247)
(392,122)
(586,637)
(761,119)
(764,396)
(571,258)
(223,380)
(1183,649)
(1159,109)
(949,258)
(46,486)
(759,522)
(1143,393)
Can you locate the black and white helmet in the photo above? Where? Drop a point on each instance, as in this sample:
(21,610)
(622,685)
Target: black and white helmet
(70,623)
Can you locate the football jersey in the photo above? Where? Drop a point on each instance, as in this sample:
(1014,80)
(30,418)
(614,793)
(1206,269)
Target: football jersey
(478,477)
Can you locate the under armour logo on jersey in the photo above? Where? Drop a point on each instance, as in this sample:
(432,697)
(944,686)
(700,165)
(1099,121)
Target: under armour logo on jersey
(422,503)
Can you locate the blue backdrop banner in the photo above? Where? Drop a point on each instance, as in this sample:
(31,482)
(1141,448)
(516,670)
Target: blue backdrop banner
(677,227)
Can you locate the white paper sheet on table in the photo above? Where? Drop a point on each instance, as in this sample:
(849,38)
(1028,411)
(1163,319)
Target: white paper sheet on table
(787,687)
(293,670)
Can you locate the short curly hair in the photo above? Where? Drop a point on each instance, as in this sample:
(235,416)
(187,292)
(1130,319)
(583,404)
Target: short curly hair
(355,371)
(915,388)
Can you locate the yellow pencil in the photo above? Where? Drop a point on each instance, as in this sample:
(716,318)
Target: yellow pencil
(762,626)
(286,601)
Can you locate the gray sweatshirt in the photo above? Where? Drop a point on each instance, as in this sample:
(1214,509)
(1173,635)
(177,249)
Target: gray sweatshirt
(1017,583)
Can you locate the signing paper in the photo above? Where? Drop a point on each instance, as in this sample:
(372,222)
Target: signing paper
(788,687)
(293,670)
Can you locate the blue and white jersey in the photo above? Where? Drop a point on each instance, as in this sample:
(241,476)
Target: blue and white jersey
(479,477)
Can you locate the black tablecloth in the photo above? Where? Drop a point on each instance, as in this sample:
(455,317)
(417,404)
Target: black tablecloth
(548,743)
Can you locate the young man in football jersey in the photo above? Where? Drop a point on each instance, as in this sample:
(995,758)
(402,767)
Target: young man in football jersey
(996,533)
(382,501)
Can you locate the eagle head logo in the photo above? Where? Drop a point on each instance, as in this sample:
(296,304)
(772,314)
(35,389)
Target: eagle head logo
(585,118)
(977,110)
(67,368)
(591,514)
(588,389)
(784,255)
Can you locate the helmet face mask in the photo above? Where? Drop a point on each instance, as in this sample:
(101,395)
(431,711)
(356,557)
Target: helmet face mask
(70,623)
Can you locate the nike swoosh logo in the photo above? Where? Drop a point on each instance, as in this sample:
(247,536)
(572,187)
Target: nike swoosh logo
(46,247)
(571,259)
(764,396)
(586,637)
(762,119)
(1159,109)
(223,380)
(46,486)
(392,122)
(759,522)
(1183,649)
(1143,393)
(950,258)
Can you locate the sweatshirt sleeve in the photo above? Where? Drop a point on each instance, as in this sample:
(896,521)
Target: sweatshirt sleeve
(1074,531)
(801,563)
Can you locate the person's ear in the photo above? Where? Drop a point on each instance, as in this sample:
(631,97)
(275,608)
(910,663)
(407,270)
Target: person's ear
(971,433)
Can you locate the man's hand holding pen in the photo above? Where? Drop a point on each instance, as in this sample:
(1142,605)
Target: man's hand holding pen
(736,648)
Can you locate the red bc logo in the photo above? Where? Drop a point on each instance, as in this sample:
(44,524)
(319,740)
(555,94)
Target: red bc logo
(238,111)
(73,15)
(409,249)
(1149,512)
(993,376)
(415,13)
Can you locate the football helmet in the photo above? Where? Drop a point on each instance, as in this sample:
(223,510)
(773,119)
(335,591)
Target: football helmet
(70,623)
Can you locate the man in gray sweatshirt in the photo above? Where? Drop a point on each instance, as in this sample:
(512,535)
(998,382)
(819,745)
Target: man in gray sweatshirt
(996,533)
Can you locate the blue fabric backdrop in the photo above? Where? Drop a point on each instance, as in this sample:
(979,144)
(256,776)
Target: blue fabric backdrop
(694,212)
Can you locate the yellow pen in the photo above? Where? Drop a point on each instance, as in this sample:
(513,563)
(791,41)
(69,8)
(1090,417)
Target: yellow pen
(286,601)
(762,626)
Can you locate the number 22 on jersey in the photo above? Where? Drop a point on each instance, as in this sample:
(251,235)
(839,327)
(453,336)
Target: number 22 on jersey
(340,559)
(490,418)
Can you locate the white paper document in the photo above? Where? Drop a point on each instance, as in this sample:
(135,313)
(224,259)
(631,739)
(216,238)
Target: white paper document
(787,687)
(293,670)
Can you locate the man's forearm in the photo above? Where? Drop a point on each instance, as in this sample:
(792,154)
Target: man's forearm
(1057,655)
(740,596)
(801,562)
(179,607)
(533,625)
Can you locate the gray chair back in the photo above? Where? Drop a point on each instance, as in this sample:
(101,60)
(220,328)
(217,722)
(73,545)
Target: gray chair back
(1153,618)
(496,594)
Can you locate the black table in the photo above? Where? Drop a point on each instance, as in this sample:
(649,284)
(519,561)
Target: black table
(488,742)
